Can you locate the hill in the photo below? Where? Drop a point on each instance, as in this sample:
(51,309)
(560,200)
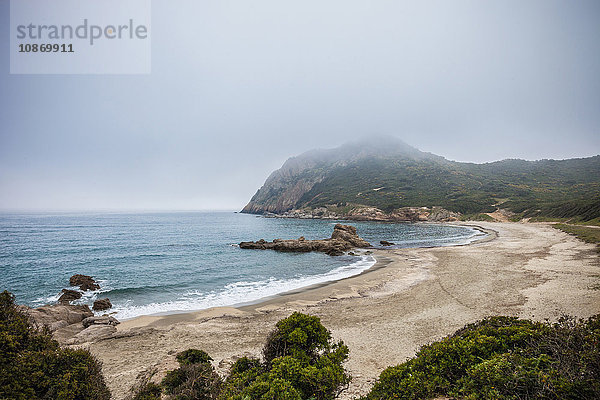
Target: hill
(388,174)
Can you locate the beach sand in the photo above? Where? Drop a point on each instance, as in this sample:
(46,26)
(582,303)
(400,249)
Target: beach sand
(409,298)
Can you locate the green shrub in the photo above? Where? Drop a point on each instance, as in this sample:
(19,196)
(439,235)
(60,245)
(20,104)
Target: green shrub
(193,382)
(193,356)
(301,362)
(299,335)
(33,366)
(149,391)
(502,358)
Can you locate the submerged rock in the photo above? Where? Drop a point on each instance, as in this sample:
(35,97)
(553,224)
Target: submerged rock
(101,304)
(68,296)
(343,238)
(84,282)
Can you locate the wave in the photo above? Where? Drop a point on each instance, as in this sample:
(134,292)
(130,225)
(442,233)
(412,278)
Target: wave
(241,292)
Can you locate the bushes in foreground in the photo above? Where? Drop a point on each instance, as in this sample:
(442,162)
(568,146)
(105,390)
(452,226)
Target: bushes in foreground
(300,362)
(33,366)
(502,358)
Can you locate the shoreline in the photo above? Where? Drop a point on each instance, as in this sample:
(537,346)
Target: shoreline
(490,235)
(410,298)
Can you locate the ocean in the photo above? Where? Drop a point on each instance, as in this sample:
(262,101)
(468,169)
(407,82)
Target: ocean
(159,263)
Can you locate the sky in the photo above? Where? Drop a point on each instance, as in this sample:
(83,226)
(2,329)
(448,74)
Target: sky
(237,87)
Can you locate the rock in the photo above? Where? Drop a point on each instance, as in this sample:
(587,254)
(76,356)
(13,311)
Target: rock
(386,243)
(343,238)
(101,304)
(93,333)
(347,233)
(84,282)
(104,320)
(51,316)
(58,325)
(68,296)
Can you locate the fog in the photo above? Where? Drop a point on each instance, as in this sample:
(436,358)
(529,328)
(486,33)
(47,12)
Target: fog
(237,87)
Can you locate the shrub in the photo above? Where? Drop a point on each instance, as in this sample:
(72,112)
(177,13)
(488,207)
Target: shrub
(33,366)
(299,335)
(149,391)
(195,379)
(503,358)
(301,362)
(193,356)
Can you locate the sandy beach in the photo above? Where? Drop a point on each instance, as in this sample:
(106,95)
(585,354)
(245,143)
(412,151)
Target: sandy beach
(409,298)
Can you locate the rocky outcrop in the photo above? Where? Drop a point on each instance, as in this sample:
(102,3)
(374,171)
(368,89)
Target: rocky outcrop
(101,305)
(93,333)
(84,282)
(57,316)
(104,320)
(68,296)
(366,213)
(71,324)
(343,238)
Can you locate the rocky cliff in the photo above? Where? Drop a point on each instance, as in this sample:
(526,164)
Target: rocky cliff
(285,188)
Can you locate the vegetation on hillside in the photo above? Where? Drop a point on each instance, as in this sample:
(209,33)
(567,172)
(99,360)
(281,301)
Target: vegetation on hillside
(585,233)
(33,366)
(390,174)
(568,189)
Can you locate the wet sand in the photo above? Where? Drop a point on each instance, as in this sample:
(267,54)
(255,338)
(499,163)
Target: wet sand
(409,298)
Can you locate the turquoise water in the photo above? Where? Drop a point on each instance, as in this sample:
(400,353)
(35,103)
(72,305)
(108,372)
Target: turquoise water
(151,263)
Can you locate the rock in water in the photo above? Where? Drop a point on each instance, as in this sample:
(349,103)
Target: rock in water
(347,233)
(101,304)
(343,238)
(84,282)
(68,296)
(385,243)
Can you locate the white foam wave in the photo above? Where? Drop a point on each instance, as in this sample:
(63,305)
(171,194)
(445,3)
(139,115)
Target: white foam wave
(240,292)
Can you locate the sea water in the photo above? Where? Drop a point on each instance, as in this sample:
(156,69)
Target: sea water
(156,263)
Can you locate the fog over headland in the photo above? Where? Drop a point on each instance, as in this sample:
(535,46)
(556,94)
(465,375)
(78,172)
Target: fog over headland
(237,87)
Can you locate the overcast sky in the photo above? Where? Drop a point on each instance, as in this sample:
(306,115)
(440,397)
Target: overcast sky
(239,86)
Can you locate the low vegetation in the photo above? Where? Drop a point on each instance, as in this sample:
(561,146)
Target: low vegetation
(502,358)
(476,217)
(33,366)
(300,361)
(585,233)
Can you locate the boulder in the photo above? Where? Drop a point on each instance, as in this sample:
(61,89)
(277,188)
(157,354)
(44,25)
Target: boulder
(101,304)
(53,316)
(104,320)
(93,333)
(68,296)
(84,282)
(347,233)
(385,243)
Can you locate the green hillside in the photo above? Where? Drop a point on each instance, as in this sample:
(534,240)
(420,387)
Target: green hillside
(402,176)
